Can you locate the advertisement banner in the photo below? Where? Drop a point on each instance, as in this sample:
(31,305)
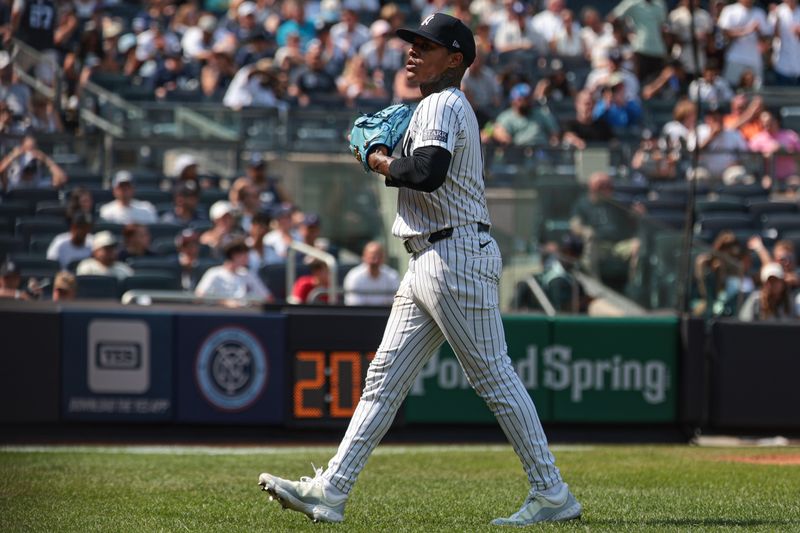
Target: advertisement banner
(30,378)
(441,392)
(329,352)
(612,369)
(231,368)
(117,366)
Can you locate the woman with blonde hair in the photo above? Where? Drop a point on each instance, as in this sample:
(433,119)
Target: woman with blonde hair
(355,82)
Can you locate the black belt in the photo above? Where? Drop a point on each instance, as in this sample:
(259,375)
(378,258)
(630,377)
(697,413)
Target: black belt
(442,234)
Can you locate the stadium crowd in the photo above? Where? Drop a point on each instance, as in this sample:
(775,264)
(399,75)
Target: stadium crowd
(545,76)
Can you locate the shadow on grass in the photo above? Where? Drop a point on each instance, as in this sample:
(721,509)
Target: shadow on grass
(699,522)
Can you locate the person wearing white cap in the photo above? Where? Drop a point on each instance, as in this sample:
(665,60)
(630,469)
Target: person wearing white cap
(185,167)
(224,230)
(198,41)
(104,259)
(124,209)
(773,301)
(379,52)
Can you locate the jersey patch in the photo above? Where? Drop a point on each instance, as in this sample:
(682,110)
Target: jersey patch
(435,135)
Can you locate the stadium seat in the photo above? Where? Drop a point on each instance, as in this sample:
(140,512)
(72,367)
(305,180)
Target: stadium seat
(144,179)
(759,208)
(34,261)
(40,242)
(54,209)
(84,178)
(673,220)
(164,246)
(164,264)
(113,227)
(154,196)
(668,205)
(164,229)
(150,281)
(32,196)
(28,226)
(97,287)
(679,189)
(209,196)
(10,244)
(749,192)
(720,206)
(709,226)
(100,195)
(781,223)
(14,210)
(274,277)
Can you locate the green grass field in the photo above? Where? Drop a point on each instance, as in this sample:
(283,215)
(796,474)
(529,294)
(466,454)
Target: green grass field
(425,488)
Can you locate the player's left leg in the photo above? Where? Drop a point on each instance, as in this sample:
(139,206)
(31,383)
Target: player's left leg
(466,309)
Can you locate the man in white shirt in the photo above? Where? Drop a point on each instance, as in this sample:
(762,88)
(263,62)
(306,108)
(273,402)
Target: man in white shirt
(73,245)
(680,26)
(104,259)
(372,282)
(786,59)
(549,23)
(232,279)
(124,209)
(516,32)
(743,25)
(349,34)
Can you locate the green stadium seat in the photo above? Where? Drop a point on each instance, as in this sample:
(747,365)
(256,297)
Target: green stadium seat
(150,281)
(98,287)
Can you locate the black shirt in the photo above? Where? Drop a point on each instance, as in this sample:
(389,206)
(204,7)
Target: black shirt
(37,24)
(599,130)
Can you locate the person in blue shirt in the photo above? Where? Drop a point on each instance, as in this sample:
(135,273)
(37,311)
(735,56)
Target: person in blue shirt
(615,109)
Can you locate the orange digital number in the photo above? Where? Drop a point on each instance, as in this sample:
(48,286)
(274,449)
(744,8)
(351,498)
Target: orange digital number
(315,383)
(337,358)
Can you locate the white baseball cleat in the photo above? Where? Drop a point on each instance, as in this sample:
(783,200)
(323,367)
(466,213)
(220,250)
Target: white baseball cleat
(309,496)
(538,508)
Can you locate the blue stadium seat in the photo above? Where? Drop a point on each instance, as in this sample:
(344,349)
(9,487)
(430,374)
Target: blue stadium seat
(97,287)
(10,244)
(54,209)
(759,208)
(34,261)
(709,226)
(32,196)
(163,264)
(781,223)
(40,225)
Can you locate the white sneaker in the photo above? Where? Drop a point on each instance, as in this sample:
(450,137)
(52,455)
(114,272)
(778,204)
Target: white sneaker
(308,496)
(539,508)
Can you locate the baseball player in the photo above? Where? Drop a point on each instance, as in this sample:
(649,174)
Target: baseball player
(448,293)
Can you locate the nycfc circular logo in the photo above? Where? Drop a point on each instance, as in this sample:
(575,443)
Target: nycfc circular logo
(231,369)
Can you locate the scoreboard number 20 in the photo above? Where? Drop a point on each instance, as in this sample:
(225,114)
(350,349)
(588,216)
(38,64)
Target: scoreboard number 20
(327,385)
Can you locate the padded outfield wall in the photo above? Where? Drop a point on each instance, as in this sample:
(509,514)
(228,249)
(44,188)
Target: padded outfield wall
(305,366)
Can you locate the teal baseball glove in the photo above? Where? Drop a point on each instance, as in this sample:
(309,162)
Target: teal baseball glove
(384,128)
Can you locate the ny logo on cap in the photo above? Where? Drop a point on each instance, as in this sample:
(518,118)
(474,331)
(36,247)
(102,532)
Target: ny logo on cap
(427,20)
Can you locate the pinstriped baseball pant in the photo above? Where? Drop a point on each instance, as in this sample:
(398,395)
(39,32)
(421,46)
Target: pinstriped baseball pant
(448,293)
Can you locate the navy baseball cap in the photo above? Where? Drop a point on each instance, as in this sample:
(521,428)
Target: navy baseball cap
(446,31)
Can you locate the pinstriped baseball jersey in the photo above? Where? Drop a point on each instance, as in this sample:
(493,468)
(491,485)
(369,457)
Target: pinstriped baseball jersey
(444,119)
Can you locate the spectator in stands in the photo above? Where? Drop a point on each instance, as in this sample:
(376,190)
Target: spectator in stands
(256,85)
(606,229)
(773,301)
(372,282)
(744,115)
(516,31)
(218,72)
(260,253)
(43,118)
(648,18)
(309,231)
(482,89)
(173,75)
(711,89)
(244,23)
(356,82)
(311,81)
(680,28)
(24,166)
(10,282)
(613,69)
(773,140)
(257,45)
(270,193)
(744,25)
(284,232)
(615,108)
(567,40)
(555,86)
(74,245)
(232,280)
(523,124)
(584,128)
(719,145)
(295,21)
(224,229)
(198,41)
(677,131)
(549,21)
(80,201)
(187,244)
(247,204)
(670,84)
(653,160)
(720,275)
(349,34)
(135,242)
(155,42)
(290,55)
(34,23)
(382,53)
(65,287)
(8,124)
(316,282)
(593,32)
(186,168)
(103,261)
(786,61)
(125,209)
(186,198)
(783,253)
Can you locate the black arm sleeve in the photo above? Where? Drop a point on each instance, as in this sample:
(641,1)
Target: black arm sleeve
(424,171)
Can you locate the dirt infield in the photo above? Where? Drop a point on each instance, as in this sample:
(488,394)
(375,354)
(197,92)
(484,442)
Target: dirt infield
(775,459)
